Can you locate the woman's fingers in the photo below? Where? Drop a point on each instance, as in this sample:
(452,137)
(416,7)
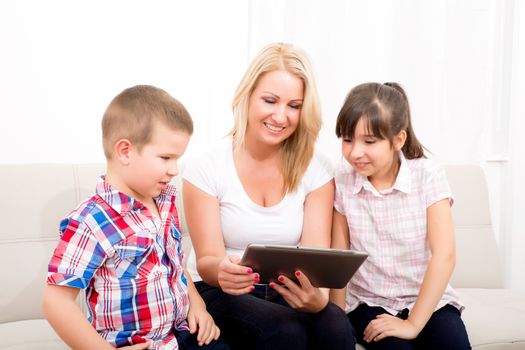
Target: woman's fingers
(304,296)
(236,279)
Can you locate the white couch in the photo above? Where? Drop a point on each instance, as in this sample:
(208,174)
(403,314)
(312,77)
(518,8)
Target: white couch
(35,197)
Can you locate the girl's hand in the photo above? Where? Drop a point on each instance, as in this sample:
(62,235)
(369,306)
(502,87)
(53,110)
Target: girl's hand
(386,325)
(200,320)
(236,279)
(302,297)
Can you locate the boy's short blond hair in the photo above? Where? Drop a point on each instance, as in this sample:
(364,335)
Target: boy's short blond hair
(132,113)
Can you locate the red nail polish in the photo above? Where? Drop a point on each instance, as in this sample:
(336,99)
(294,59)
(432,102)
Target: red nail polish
(280,279)
(249,270)
(297,273)
(252,288)
(272,284)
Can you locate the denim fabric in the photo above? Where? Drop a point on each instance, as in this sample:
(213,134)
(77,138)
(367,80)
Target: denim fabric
(444,330)
(188,341)
(264,320)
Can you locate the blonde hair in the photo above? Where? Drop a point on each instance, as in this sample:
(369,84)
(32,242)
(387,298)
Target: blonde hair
(298,149)
(132,113)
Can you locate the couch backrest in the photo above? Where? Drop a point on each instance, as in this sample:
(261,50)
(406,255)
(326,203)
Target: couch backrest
(35,197)
(478,263)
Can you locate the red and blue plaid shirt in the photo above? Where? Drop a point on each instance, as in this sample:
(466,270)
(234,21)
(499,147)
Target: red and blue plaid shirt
(129,263)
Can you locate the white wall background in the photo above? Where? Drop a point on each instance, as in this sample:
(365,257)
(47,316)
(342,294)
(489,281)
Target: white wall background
(462,63)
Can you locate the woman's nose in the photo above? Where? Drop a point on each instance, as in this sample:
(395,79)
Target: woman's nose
(279,114)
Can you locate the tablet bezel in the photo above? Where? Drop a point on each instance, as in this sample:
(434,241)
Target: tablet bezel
(322,266)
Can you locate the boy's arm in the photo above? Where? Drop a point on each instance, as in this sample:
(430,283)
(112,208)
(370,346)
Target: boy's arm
(68,321)
(198,318)
(196,301)
(66,318)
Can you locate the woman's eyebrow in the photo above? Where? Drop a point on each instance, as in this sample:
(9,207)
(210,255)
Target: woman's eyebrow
(271,93)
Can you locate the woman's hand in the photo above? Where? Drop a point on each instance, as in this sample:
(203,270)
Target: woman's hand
(302,297)
(236,279)
(386,325)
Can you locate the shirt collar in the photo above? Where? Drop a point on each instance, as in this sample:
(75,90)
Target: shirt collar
(122,203)
(402,183)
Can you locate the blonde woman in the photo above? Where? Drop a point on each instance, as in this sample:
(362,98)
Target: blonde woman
(264,184)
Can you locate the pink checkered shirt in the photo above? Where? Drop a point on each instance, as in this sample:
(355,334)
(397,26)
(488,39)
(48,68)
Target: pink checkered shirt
(130,265)
(391,226)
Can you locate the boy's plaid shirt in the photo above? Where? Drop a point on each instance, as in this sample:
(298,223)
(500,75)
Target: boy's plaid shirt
(130,264)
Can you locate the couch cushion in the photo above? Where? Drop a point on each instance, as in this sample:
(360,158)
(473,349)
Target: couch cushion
(495,318)
(29,335)
(39,196)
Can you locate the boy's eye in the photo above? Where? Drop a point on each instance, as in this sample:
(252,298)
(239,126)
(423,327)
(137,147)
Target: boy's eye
(347,139)
(370,141)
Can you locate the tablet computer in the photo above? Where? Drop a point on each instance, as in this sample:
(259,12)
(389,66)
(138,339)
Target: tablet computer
(327,268)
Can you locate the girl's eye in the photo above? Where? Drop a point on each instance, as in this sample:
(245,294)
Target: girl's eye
(296,106)
(165,157)
(348,140)
(269,100)
(370,141)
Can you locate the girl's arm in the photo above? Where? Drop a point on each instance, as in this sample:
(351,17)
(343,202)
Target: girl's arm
(442,246)
(203,218)
(316,233)
(340,240)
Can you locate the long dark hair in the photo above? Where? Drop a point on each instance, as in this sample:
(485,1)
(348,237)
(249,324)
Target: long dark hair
(385,108)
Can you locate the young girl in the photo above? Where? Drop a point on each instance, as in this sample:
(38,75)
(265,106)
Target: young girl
(394,204)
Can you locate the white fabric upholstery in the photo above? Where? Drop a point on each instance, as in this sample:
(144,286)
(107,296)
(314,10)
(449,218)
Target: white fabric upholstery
(478,264)
(36,196)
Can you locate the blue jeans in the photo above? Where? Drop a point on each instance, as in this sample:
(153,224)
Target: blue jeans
(264,320)
(188,341)
(444,330)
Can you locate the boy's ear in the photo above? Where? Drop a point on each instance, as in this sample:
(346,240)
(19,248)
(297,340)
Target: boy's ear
(399,140)
(122,151)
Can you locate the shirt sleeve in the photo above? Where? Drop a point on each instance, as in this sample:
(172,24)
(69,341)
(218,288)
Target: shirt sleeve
(77,256)
(436,184)
(199,171)
(319,172)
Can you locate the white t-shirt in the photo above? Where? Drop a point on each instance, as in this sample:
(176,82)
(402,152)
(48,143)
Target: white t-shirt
(242,220)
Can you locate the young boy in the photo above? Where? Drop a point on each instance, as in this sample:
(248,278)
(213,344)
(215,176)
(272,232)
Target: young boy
(123,244)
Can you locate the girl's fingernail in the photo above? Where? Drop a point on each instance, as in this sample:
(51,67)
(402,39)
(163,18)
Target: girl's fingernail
(297,273)
(252,288)
(249,270)
(280,279)
(272,284)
